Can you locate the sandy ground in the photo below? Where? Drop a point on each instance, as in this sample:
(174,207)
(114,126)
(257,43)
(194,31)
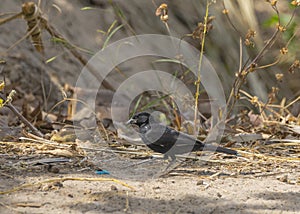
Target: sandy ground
(164,195)
(213,186)
(171,195)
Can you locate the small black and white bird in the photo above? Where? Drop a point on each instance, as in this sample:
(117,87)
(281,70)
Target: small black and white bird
(168,141)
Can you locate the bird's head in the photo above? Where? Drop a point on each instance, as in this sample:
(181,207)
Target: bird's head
(139,119)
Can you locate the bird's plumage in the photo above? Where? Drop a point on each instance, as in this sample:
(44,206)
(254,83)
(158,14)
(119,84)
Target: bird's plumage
(168,141)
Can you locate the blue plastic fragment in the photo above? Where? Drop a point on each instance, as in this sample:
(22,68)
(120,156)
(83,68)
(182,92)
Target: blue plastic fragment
(102,172)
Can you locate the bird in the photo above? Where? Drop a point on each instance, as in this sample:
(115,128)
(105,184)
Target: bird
(168,141)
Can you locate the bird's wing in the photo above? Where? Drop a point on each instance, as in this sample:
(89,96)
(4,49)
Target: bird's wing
(159,134)
(185,139)
(172,136)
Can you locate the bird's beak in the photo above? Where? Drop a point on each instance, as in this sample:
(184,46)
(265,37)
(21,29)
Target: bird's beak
(131,121)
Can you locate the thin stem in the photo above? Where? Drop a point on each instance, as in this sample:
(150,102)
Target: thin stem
(230,22)
(267,45)
(5,20)
(199,67)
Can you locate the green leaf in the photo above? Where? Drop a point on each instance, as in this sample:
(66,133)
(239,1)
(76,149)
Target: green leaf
(87,8)
(273,20)
(136,105)
(154,102)
(51,59)
(101,31)
(111,26)
(110,35)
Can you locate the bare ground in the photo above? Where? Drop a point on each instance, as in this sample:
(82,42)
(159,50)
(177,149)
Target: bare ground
(219,185)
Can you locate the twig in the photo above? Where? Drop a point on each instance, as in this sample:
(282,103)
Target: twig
(21,117)
(62,180)
(3,21)
(230,22)
(260,54)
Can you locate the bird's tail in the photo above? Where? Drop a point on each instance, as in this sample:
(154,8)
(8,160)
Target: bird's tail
(218,149)
(226,151)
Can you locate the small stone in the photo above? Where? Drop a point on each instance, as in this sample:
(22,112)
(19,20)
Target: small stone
(283,178)
(201,182)
(113,188)
(53,169)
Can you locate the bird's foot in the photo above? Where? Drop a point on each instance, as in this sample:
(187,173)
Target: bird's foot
(173,164)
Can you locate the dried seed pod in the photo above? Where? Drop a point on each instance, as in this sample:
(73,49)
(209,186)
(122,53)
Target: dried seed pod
(273,2)
(279,77)
(249,38)
(296,3)
(162,11)
(199,31)
(225,11)
(31,14)
(284,51)
(295,65)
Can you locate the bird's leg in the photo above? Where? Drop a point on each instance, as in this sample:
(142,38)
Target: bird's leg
(151,158)
(171,163)
(171,166)
(142,162)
